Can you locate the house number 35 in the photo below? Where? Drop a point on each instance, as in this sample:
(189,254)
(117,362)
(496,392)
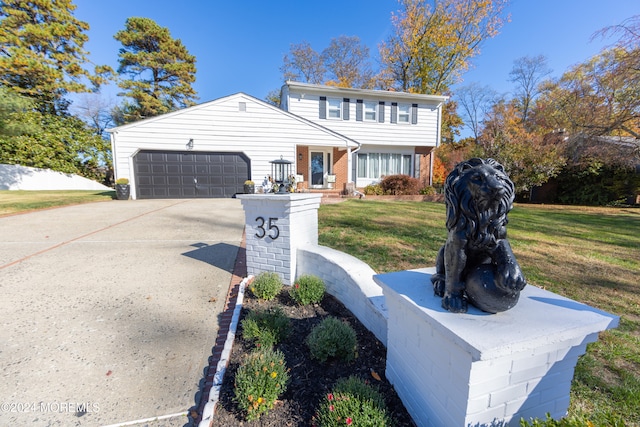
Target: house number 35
(271,229)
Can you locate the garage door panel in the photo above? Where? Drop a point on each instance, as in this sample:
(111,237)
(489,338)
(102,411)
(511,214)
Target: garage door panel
(187,174)
(144,180)
(159,180)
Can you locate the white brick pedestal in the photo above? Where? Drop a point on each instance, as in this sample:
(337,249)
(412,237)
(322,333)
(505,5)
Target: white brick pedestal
(276,226)
(479,369)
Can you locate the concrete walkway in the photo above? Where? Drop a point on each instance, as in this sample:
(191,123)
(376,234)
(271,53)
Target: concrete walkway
(109,311)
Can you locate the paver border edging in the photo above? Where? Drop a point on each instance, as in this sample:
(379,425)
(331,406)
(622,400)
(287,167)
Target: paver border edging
(202,414)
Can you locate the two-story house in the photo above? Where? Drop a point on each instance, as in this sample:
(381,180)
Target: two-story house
(332,136)
(395,133)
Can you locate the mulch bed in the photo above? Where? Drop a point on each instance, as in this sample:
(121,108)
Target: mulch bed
(310,380)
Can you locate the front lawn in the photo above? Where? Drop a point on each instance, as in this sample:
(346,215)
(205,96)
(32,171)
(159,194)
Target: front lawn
(590,254)
(20,201)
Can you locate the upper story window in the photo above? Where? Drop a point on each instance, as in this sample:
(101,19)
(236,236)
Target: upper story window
(334,108)
(404,113)
(370,110)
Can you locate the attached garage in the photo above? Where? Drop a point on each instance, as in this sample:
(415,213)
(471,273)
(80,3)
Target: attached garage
(211,149)
(188,174)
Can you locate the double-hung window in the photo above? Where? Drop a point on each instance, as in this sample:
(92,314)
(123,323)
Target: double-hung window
(404,113)
(370,111)
(334,108)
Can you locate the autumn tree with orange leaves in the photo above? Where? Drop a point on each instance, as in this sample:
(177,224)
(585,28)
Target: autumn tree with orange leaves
(434,40)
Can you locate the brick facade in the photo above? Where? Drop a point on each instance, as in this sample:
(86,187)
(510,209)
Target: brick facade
(340,168)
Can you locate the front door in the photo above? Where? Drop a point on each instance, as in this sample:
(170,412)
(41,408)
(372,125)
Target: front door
(319,168)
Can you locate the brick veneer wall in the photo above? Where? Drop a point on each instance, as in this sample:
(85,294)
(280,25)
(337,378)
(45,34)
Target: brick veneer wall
(340,168)
(302,163)
(483,369)
(296,217)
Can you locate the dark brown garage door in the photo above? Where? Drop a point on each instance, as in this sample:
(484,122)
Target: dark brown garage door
(188,174)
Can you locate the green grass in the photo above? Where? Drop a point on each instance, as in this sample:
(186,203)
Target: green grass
(12,202)
(591,255)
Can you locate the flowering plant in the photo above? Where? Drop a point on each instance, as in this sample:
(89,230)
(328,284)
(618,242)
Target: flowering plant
(307,290)
(260,380)
(352,402)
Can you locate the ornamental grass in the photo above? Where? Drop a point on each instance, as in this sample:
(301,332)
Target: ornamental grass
(266,327)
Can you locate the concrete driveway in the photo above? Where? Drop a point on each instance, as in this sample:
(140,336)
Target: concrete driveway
(109,310)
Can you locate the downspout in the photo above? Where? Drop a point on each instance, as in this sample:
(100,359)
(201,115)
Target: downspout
(438,137)
(350,166)
(112,137)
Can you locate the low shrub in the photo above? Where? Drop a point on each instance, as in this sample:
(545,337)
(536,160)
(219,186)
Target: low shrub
(353,402)
(400,185)
(307,290)
(332,338)
(266,327)
(373,190)
(260,380)
(266,285)
(428,191)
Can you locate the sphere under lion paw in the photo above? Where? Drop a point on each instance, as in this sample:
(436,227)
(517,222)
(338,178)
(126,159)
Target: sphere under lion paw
(483,293)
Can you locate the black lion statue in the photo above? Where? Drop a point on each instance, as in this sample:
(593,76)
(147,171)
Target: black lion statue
(476,263)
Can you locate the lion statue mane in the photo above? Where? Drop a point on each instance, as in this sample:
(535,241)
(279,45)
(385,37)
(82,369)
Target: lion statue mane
(476,263)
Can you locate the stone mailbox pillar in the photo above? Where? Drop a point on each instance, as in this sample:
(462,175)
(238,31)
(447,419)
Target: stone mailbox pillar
(276,225)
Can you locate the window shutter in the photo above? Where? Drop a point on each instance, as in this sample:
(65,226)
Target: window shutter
(381,112)
(394,112)
(345,109)
(359,110)
(414,114)
(323,107)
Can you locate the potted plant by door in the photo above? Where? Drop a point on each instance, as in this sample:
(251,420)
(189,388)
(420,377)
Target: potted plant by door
(122,189)
(249,187)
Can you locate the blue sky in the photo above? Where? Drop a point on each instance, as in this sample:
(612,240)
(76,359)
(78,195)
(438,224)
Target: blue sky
(239,44)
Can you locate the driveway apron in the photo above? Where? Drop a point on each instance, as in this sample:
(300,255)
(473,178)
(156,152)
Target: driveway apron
(109,310)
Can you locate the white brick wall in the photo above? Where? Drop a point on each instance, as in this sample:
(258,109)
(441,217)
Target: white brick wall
(350,281)
(291,218)
(476,368)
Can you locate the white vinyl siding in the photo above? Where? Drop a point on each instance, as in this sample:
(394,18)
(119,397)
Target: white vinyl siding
(385,134)
(262,132)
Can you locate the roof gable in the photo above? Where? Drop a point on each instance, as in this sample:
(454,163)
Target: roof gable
(240,96)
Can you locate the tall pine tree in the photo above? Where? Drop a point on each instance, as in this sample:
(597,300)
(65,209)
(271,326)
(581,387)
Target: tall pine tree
(42,52)
(159,68)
